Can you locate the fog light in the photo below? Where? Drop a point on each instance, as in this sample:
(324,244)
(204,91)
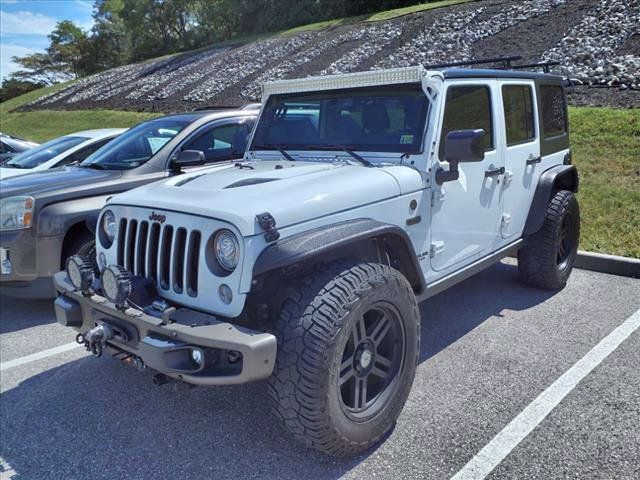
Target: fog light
(80,272)
(116,284)
(102,261)
(197,356)
(225,294)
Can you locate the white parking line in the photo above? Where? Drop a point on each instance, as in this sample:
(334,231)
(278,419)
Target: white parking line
(517,430)
(37,356)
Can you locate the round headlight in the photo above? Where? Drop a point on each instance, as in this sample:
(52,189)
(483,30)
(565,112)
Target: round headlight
(109,225)
(80,272)
(227,249)
(116,284)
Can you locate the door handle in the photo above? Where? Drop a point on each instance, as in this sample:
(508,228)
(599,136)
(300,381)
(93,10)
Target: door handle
(531,161)
(492,172)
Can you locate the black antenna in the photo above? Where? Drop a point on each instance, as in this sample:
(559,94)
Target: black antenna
(546,66)
(506,62)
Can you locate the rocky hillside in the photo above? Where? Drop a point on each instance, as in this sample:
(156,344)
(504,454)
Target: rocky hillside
(596,41)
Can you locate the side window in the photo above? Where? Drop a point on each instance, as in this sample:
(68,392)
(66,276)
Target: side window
(554,110)
(517,101)
(80,155)
(222,143)
(468,107)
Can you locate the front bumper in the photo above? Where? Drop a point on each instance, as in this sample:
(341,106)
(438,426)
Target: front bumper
(28,263)
(233,354)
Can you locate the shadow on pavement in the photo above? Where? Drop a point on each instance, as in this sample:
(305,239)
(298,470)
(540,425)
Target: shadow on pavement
(99,419)
(458,310)
(19,313)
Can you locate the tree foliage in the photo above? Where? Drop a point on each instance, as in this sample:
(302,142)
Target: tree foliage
(126,31)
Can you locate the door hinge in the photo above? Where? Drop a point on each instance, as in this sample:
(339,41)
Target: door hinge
(508,175)
(437,196)
(436,248)
(505,222)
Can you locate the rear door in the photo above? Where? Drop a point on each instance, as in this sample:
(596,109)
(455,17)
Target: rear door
(521,148)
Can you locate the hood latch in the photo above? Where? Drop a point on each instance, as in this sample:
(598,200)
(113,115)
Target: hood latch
(268,224)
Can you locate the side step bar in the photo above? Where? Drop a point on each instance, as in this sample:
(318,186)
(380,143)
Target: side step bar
(468,271)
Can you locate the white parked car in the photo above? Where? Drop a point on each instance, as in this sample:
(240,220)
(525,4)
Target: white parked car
(359,196)
(66,150)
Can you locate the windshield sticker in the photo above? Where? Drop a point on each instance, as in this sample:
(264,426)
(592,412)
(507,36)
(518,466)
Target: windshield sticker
(156,143)
(406,139)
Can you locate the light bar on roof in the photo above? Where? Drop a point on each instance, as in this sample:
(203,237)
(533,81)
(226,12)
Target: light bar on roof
(347,80)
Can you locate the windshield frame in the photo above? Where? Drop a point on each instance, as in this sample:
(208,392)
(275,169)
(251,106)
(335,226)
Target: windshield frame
(101,156)
(395,91)
(75,140)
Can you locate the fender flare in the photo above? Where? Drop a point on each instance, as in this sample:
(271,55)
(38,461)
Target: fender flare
(313,243)
(560,177)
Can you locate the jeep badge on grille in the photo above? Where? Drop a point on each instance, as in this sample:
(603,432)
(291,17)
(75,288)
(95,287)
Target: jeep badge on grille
(157,217)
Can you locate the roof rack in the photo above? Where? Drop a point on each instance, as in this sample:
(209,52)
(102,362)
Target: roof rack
(546,66)
(506,62)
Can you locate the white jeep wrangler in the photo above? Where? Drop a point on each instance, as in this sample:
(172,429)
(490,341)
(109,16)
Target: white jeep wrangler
(359,196)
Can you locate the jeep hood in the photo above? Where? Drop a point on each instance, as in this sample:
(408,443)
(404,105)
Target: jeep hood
(292,192)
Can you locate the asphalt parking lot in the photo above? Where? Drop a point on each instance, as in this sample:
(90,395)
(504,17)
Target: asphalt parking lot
(490,347)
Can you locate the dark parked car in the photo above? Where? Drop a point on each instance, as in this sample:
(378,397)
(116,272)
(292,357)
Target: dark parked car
(10,146)
(47,216)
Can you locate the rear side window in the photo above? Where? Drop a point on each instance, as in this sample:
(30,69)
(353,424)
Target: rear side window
(468,107)
(554,111)
(517,101)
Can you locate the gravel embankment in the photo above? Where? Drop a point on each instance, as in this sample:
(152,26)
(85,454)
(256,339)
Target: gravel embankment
(596,41)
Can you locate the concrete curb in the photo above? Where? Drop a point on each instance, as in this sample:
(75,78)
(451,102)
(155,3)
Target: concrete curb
(613,264)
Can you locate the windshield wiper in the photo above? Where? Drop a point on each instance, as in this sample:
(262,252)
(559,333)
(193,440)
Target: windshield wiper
(96,166)
(279,148)
(346,149)
(13,165)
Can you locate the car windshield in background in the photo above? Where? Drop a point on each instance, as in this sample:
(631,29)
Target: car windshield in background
(45,152)
(389,119)
(135,146)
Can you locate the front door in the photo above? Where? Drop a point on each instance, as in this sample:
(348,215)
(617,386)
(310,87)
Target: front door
(466,212)
(522,153)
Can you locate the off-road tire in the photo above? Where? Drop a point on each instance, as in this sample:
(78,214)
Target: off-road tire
(84,244)
(314,329)
(540,262)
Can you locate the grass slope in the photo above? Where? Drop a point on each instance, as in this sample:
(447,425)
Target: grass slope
(44,125)
(606,149)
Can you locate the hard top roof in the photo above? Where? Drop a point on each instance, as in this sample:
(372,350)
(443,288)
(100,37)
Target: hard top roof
(495,73)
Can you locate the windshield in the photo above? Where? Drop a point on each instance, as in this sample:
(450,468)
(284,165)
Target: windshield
(135,146)
(45,152)
(380,119)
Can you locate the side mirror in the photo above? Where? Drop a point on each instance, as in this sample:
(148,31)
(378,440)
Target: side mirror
(187,158)
(461,146)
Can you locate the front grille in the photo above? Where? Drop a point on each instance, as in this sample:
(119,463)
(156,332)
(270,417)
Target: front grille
(167,255)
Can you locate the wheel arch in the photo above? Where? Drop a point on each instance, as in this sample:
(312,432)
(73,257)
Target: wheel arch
(560,177)
(363,239)
(71,234)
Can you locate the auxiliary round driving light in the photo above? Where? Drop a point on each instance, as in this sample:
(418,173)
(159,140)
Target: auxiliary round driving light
(116,284)
(80,272)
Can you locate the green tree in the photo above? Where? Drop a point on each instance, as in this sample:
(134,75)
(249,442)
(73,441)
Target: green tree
(39,68)
(67,46)
(12,87)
